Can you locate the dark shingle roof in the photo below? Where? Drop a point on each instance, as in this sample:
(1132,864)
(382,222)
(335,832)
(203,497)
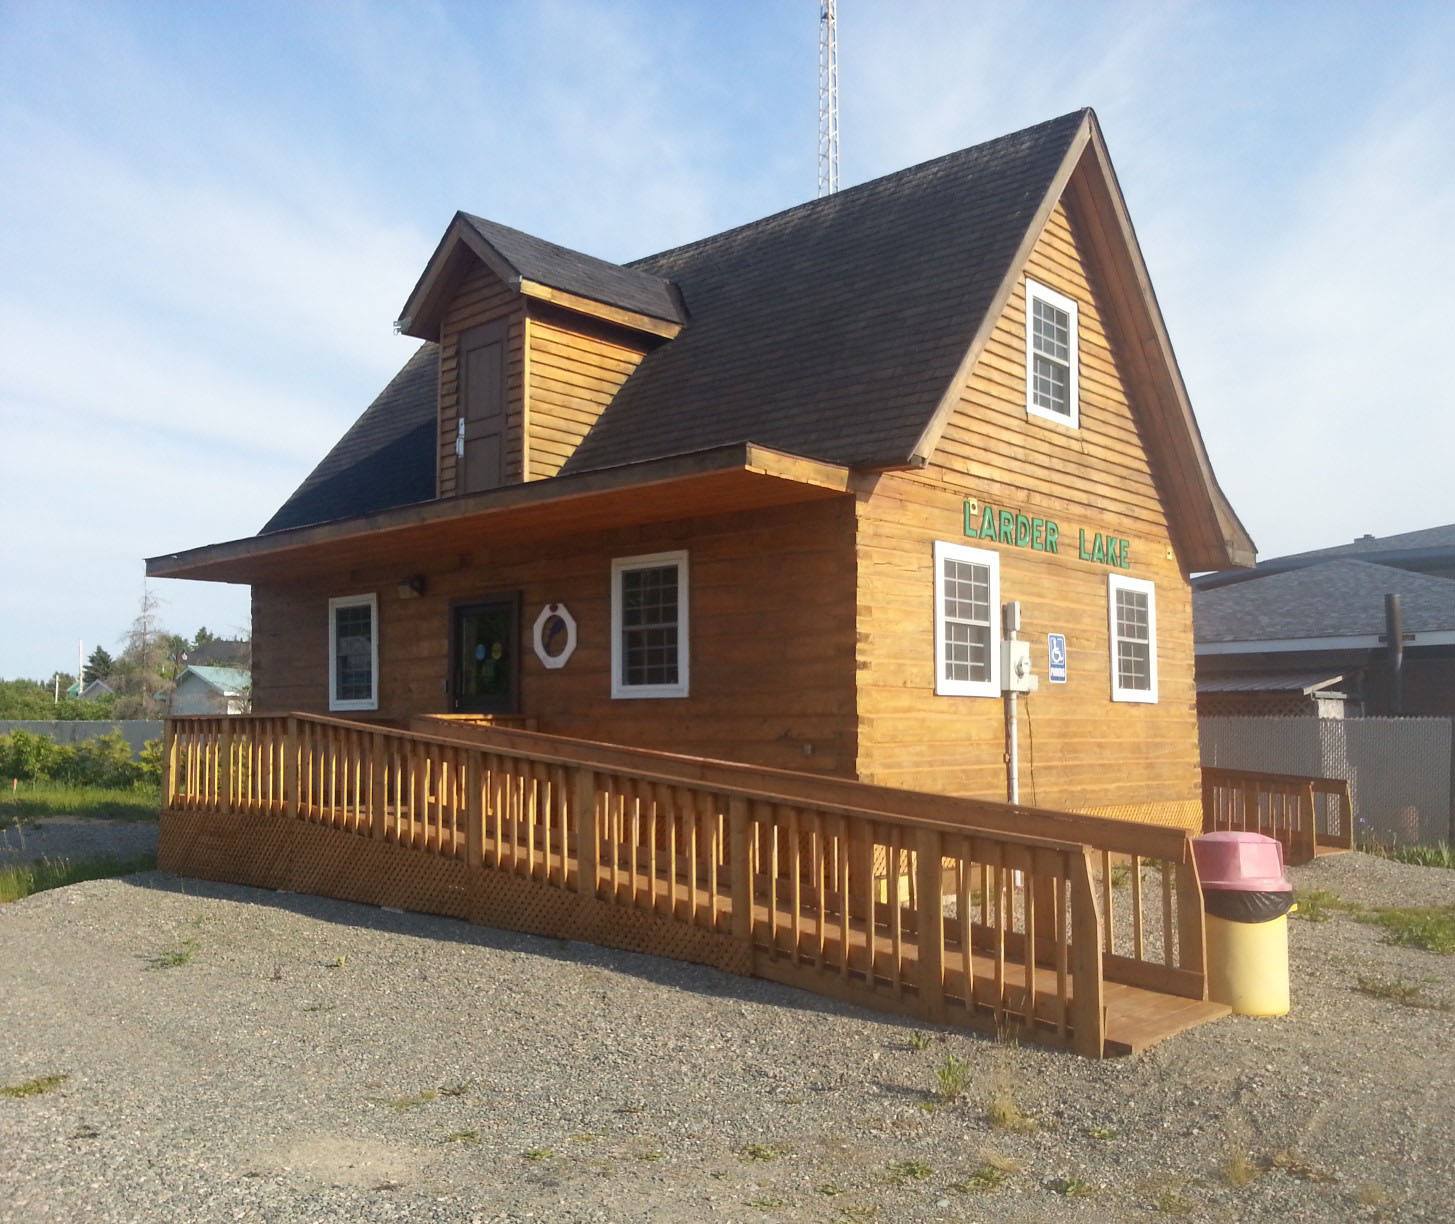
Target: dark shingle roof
(386,459)
(562,268)
(832,330)
(1338,598)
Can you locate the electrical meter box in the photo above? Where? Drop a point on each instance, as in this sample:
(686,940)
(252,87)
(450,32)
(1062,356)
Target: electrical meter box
(1016,675)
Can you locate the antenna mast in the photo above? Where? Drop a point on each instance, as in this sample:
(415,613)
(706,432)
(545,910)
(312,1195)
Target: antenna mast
(828,98)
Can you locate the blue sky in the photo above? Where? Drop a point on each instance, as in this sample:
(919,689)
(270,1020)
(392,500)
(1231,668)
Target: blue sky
(212,214)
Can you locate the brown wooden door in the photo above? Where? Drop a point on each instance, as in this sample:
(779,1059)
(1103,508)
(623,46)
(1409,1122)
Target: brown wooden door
(482,407)
(484,649)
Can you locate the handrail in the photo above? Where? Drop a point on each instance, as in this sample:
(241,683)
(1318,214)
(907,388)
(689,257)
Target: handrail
(922,903)
(1304,813)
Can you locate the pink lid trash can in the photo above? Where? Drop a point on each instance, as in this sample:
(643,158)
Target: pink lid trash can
(1246,897)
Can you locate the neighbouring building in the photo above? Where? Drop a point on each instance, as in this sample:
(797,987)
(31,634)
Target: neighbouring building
(763,496)
(210,690)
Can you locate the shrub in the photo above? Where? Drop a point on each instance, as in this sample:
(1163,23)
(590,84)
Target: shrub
(104,761)
(150,763)
(29,757)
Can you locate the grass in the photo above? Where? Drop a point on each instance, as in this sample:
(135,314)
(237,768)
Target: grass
(902,1172)
(536,1155)
(412,1100)
(1441,854)
(1406,994)
(174,958)
(1291,1161)
(463,1136)
(951,1076)
(986,1178)
(759,1153)
(1004,1113)
(33,1087)
(36,800)
(21,880)
(1071,1187)
(1238,1170)
(1431,927)
(920,1041)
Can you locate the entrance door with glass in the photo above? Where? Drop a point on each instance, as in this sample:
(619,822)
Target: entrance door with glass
(484,647)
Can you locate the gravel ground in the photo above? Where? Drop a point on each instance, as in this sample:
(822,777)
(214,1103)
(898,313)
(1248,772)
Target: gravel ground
(76,837)
(234,1054)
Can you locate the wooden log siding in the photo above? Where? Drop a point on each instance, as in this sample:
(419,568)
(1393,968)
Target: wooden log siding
(929,917)
(1079,749)
(1308,816)
(482,298)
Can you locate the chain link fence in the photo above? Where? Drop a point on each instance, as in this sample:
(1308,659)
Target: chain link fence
(1399,770)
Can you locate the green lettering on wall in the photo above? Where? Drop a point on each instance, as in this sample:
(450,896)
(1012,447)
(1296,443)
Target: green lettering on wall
(986,522)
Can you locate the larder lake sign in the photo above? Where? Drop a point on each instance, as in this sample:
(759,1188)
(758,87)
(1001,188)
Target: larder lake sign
(1014,527)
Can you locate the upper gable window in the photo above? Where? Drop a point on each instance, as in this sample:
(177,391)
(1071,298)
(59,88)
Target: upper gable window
(1051,358)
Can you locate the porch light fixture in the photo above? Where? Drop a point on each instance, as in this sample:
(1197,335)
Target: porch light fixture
(412,587)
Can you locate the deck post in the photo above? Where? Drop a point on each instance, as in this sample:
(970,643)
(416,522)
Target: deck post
(169,763)
(931,923)
(377,797)
(739,869)
(224,765)
(588,845)
(474,811)
(1308,838)
(1088,1016)
(1191,932)
(290,768)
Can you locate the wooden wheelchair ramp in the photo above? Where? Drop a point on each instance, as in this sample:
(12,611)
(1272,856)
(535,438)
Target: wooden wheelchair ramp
(1065,930)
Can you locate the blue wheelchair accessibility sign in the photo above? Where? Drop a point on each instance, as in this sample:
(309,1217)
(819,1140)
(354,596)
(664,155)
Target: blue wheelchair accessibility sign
(1056,657)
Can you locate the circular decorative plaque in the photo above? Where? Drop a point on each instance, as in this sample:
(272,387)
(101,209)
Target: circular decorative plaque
(555,636)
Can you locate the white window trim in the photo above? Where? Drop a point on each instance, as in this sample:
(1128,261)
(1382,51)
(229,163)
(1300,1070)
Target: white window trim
(620,566)
(1119,582)
(371,602)
(1034,289)
(944,551)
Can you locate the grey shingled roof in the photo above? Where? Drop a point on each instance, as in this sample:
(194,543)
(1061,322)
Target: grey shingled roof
(562,268)
(1269,682)
(1339,598)
(832,330)
(1405,541)
(386,459)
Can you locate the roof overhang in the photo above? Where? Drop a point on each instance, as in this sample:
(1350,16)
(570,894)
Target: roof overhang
(1360,641)
(723,480)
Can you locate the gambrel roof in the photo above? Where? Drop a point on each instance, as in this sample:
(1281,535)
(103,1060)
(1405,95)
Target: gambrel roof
(840,331)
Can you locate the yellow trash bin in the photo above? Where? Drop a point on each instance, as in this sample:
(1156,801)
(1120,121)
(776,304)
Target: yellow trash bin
(1246,898)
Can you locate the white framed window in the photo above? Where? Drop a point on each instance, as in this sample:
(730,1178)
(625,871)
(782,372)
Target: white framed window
(967,621)
(1132,616)
(649,656)
(353,652)
(1052,367)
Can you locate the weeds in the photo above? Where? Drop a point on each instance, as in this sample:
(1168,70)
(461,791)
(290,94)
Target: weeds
(1291,1161)
(919,1041)
(33,1087)
(174,958)
(1003,1111)
(1406,994)
(902,1172)
(1071,1187)
(759,1153)
(1441,854)
(22,880)
(1102,1134)
(536,1155)
(464,1136)
(1238,1170)
(766,1203)
(986,1178)
(1319,904)
(1429,927)
(951,1076)
(829,1190)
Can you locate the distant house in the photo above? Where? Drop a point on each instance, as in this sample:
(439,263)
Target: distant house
(1296,631)
(211,690)
(92,690)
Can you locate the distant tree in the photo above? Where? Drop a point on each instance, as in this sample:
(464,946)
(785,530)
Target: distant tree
(202,637)
(176,648)
(145,670)
(99,665)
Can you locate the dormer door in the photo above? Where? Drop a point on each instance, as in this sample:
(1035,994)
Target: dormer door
(481,445)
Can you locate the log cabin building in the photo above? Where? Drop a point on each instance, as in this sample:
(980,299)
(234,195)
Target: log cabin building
(762,497)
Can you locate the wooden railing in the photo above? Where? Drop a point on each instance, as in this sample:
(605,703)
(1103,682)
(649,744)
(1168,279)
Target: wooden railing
(1304,814)
(980,914)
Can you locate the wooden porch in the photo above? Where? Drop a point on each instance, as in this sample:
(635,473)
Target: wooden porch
(1066,930)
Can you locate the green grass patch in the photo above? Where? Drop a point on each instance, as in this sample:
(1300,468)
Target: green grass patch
(1406,994)
(412,1100)
(1441,854)
(761,1152)
(20,880)
(1429,927)
(902,1172)
(33,1087)
(1319,904)
(35,800)
(174,958)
